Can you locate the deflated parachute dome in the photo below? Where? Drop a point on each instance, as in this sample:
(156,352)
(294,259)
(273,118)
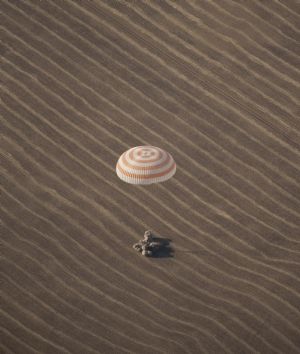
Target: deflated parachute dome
(145,165)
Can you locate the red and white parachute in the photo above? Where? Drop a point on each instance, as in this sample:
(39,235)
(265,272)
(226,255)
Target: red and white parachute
(145,165)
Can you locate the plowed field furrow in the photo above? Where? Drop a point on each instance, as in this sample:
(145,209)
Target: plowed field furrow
(168,58)
(259,17)
(205,58)
(250,33)
(77,102)
(95,190)
(58,132)
(215,84)
(180,66)
(69,66)
(209,38)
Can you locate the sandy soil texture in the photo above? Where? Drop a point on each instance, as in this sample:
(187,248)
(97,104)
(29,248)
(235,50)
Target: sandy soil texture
(215,83)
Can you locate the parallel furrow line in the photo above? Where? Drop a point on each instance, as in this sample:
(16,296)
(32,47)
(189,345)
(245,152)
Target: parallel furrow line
(39,319)
(98,112)
(59,314)
(211,64)
(277,15)
(96,9)
(241,104)
(240,22)
(141,204)
(253,14)
(180,294)
(3,348)
(261,33)
(68,305)
(146,225)
(82,265)
(50,308)
(292,12)
(198,165)
(122,33)
(57,348)
(203,92)
(107,283)
(200,134)
(168,225)
(153,279)
(178,307)
(237,42)
(98,291)
(191,30)
(252,290)
(106,132)
(11,334)
(136,299)
(152,101)
(292,9)
(35,96)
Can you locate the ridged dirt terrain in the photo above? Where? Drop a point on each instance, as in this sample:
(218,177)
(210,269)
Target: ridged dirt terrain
(216,84)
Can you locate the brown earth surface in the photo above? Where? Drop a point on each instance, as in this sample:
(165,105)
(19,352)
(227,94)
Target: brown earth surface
(216,84)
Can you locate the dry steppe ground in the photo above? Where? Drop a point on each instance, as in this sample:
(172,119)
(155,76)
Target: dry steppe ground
(213,82)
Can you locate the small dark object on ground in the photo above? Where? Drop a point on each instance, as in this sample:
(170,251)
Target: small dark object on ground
(151,246)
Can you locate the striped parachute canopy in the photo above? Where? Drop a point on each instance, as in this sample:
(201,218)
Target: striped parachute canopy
(145,165)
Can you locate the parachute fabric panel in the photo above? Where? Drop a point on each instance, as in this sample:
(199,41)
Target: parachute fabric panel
(145,165)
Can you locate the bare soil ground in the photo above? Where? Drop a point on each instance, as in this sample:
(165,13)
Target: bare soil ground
(215,83)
